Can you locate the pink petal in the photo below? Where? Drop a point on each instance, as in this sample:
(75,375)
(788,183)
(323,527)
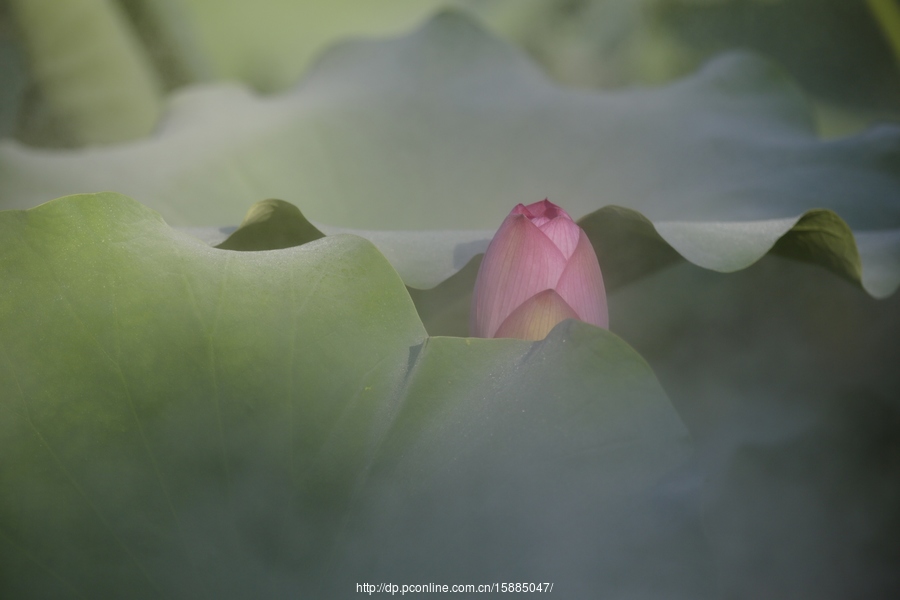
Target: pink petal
(563,232)
(521,209)
(534,318)
(581,285)
(520,262)
(554,222)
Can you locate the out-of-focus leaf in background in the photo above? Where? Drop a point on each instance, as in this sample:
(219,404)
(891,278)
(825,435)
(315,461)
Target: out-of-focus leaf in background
(836,49)
(13,75)
(269,44)
(448,126)
(95,82)
(97,68)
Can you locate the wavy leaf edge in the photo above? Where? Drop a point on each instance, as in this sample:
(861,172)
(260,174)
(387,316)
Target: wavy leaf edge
(628,244)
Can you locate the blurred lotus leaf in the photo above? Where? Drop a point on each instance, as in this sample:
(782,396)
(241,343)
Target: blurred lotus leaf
(395,135)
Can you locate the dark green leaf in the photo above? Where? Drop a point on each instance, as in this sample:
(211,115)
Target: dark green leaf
(272,225)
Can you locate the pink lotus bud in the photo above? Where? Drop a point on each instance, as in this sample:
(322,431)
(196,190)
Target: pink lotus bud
(539,269)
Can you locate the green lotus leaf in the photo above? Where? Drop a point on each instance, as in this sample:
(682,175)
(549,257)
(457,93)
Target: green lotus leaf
(183,421)
(786,377)
(630,246)
(448,128)
(271,225)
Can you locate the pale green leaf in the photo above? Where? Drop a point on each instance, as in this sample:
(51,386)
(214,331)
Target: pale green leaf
(182,421)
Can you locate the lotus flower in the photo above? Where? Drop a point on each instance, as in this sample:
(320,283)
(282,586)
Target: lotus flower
(539,270)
